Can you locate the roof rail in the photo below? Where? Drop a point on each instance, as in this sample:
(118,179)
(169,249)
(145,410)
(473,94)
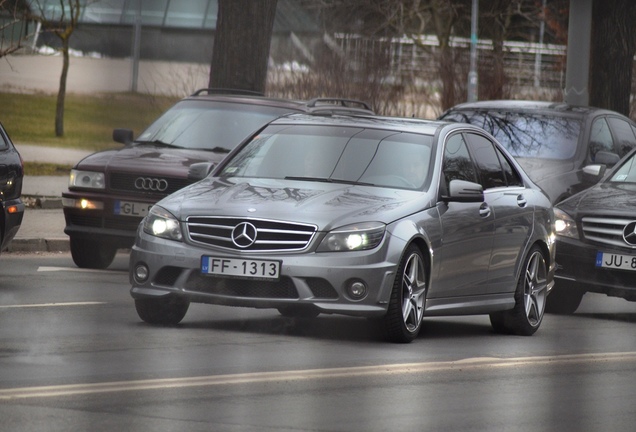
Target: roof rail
(335,105)
(227,91)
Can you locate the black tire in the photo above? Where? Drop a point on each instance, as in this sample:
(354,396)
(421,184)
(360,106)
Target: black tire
(405,314)
(91,254)
(564,299)
(165,311)
(530,299)
(298,312)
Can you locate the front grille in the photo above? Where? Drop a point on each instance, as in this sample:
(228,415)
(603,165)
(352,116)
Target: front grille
(321,289)
(126,183)
(269,235)
(281,289)
(606,230)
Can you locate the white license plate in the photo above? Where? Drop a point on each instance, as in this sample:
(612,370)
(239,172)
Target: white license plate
(616,261)
(257,269)
(129,208)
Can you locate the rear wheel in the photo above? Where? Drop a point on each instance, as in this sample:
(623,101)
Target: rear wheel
(403,320)
(91,254)
(166,311)
(564,298)
(530,299)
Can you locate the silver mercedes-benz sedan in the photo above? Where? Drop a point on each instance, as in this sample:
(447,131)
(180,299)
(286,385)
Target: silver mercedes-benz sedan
(391,219)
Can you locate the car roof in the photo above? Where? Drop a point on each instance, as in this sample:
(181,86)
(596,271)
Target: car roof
(530,105)
(321,104)
(402,124)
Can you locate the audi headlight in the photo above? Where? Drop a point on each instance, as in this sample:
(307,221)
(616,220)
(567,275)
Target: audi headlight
(564,225)
(355,237)
(161,223)
(86,179)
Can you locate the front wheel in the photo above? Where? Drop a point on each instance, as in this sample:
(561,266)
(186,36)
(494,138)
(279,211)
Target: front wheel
(165,311)
(403,320)
(530,299)
(91,254)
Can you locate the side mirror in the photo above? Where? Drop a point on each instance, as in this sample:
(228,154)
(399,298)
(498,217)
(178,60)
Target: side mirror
(200,170)
(606,158)
(124,136)
(464,191)
(593,173)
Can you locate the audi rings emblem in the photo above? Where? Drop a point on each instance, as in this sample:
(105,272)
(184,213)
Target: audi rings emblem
(151,184)
(244,235)
(629,233)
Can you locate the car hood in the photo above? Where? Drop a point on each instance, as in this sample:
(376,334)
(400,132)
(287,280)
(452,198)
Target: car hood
(326,205)
(604,198)
(148,160)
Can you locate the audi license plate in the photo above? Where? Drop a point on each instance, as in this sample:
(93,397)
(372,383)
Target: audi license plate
(616,261)
(129,208)
(256,269)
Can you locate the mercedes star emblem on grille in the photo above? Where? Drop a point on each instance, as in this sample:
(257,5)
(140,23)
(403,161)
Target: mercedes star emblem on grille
(629,233)
(151,184)
(244,235)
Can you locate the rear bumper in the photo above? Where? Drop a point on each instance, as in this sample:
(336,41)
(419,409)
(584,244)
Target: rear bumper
(12,214)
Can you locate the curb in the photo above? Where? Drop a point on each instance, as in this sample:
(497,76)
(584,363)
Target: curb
(38,245)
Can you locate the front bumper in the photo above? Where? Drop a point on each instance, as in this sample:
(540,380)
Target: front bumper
(93,216)
(319,280)
(576,263)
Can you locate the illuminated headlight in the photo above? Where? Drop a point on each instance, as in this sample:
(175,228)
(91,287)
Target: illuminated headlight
(86,179)
(160,223)
(353,237)
(564,225)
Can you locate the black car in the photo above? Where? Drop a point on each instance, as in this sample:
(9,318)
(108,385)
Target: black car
(553,142)
(111,191)
(596,240)
(11,174)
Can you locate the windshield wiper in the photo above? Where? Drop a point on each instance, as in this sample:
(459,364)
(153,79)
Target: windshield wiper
(328,180)
(217,149)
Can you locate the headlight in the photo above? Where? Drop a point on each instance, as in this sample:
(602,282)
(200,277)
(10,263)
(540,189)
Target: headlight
(353,237)
(564,225)
(86,179)
(160,223)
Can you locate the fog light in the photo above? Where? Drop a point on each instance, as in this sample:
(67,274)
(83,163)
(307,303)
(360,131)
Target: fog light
(141,273)
(357,290)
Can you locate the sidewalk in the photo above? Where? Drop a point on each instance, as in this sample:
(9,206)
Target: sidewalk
(43,224)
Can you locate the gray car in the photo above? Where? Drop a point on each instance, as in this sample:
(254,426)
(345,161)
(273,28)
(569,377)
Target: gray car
(385,218)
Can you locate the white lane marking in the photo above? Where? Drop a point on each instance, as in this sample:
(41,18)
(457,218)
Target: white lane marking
(309,374)
(77,270)
(37,305)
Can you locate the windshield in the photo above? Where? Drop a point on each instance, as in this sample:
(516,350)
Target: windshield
(527,134)
(336,154)
(627,172)
(206,125)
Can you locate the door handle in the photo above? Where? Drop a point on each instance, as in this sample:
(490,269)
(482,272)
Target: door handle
(484,210)
(521,201)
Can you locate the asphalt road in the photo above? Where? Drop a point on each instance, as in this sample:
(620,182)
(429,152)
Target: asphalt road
(74,356)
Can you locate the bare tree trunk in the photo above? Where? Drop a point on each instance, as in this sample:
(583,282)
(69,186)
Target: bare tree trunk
(241,44)
(612,56)
(61,93)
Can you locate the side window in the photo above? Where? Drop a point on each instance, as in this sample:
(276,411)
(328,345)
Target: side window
(600,138)
(490,172)
(512,176)
(624,135)
(457,162)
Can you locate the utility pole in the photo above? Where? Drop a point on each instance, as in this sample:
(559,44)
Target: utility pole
(136,48)
(578,53)
(472,74)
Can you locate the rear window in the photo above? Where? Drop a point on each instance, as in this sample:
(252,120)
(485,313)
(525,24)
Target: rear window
(526,134)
